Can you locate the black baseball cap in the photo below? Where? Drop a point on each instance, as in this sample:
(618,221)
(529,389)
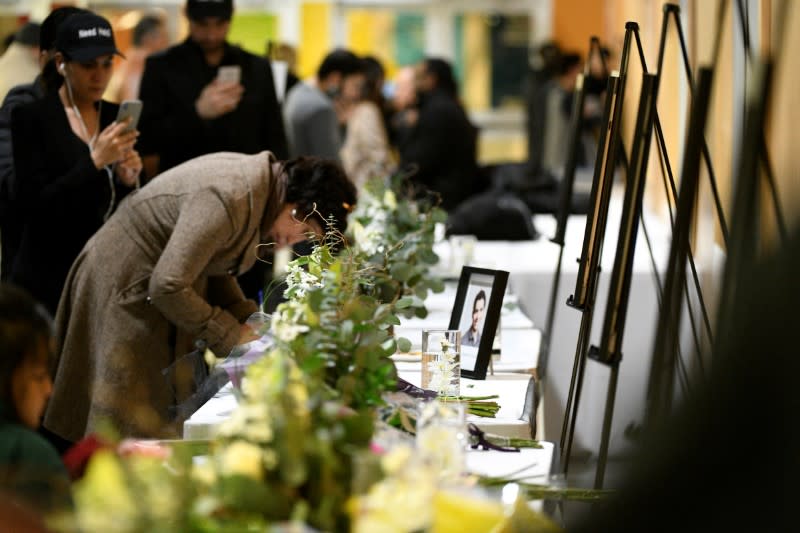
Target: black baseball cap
(200,9)
(53,21)
(85,36)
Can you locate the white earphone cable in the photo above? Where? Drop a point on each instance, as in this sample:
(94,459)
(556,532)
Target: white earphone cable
(91,140)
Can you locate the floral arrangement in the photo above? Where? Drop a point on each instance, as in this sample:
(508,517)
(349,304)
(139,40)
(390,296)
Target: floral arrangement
(396,237)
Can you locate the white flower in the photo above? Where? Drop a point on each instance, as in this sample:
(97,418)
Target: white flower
(301,280)
(442,447)
(284,324)
(443,373)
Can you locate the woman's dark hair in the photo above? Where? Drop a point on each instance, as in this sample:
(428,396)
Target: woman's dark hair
(51,80)
(147,25)
(342,61)
(443,72)
(320,186)
(23,324)
(374,75)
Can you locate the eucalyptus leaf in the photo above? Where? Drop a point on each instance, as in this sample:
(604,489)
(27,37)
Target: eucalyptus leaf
(403,345)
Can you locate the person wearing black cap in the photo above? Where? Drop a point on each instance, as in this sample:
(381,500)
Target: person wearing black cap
(73,162)
(10,227)
(188,112)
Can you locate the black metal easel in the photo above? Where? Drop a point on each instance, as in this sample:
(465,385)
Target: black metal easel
(565,200)
(589,270)
(609,351)
(742,248)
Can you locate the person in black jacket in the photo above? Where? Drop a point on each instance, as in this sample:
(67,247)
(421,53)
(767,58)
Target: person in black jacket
(188,112)
(442,142)
(73,162)
(10,226)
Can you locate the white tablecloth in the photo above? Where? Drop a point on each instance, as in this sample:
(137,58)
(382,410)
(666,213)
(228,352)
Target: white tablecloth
(518,341)
(530,465)
(515,392)
(512,420)
(532,265)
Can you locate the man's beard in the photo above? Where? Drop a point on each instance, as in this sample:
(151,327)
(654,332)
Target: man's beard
(210,47)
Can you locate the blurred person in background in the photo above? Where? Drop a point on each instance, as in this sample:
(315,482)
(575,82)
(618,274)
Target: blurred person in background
(556,96)
(10,223)
(403,105)
(442,142)
(149,36)
(315,111)
(73,162)
(286,53)
(366,153)
(188,112)
(20,62)
(30,468)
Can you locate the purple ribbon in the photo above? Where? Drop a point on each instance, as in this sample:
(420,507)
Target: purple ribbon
(479,439)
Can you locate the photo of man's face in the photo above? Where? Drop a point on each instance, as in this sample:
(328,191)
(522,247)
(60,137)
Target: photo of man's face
(478,310)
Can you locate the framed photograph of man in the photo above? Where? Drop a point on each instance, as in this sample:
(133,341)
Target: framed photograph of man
(476,312)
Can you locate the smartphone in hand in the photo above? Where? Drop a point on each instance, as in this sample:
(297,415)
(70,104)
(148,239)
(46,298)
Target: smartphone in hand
(229,74)
(132,109)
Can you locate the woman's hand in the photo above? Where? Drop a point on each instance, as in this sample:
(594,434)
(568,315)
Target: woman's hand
(128,169)
(113,144)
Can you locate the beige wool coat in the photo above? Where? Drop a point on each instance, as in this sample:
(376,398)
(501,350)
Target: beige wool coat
(154,282)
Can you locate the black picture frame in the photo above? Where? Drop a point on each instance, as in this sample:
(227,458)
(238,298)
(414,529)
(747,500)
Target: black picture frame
(475,356)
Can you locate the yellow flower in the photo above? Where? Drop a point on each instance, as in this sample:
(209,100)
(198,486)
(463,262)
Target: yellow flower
(395,460)
(456,512)
(203,472)
(102,496)
(243,458)
(389,199)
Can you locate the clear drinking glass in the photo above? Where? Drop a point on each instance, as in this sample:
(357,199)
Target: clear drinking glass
(441,361)
(462,251)
(442,437)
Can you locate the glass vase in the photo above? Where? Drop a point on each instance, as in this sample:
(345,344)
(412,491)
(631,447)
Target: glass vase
(441,361)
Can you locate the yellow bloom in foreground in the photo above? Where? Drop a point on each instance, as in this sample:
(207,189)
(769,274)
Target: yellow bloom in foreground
(242,458)
(396,459)
(102,497)
(460,513)
(390,200)
(203,472)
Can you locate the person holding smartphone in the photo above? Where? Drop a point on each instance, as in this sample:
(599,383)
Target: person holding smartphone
(73,161)
(206,95)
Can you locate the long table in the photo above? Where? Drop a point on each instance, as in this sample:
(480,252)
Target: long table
(532,264)
(514,419)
